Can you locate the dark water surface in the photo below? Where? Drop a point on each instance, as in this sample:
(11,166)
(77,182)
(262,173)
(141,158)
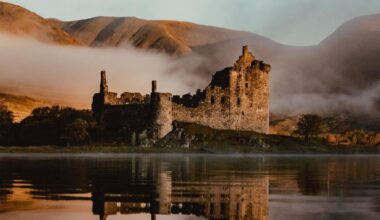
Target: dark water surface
(120,186)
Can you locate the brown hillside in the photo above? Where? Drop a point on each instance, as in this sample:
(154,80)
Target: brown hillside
(19,21)
(20,105)
(173,37)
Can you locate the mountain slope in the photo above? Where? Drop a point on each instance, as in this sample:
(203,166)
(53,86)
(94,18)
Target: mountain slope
(173,37)
(20,105)
(355,47)
(19,21)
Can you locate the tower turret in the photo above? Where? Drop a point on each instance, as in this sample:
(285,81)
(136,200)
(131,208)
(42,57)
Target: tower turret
(101,98)
(245,50)
(103,82)
(154,86)
(244,60)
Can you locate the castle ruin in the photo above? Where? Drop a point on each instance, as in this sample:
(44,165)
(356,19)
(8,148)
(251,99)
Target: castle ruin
(236,99)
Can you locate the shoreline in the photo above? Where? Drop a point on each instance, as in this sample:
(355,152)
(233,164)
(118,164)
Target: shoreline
(233,150)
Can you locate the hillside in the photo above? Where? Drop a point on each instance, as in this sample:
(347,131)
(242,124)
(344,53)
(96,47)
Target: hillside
(173,37)
(21,22)
(21,106)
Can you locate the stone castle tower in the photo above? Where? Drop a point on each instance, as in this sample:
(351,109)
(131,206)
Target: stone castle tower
(236,99)
(162,109)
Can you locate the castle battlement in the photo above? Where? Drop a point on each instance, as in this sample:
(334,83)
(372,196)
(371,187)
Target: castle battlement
(237,98)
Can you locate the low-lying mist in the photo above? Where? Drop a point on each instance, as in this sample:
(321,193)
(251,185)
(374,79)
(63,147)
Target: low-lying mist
(71,75)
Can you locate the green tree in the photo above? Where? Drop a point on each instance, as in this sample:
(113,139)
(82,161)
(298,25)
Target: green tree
(6,125)
(309,125)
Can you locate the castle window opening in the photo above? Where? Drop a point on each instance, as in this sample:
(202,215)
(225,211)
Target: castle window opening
(223,208)
(246,85)
(223,100)
(238,101)
(212,100)
(242,113)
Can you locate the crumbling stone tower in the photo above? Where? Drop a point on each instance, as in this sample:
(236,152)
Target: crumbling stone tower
(162,109)
(237,98)
(249,93)
(100,99)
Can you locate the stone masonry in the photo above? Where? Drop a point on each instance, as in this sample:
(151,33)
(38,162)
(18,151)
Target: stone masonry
(236,99)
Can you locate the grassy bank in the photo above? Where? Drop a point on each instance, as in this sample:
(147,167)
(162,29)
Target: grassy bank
(192,138)
(92,149)
(211,148)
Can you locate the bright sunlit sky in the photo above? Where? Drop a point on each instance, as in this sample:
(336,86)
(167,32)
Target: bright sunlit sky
(294,22)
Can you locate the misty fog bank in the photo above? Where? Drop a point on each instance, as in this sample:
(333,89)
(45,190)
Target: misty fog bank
(341,75)
(71,75)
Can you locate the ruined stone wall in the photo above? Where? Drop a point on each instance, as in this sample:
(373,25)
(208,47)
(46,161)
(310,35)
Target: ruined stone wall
(132,120)
(111,98)
(213,111)
(102,99)
(133,98)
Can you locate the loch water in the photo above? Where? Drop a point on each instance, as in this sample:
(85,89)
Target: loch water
(182,186)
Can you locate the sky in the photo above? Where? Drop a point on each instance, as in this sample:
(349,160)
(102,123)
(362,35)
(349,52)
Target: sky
(293,22)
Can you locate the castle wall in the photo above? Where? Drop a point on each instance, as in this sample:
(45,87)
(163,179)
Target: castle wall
(211,112)
(111,98)
(133,119)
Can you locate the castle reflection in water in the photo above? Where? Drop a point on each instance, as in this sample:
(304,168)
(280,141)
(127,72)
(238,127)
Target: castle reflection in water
(190,187)
(236,200)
